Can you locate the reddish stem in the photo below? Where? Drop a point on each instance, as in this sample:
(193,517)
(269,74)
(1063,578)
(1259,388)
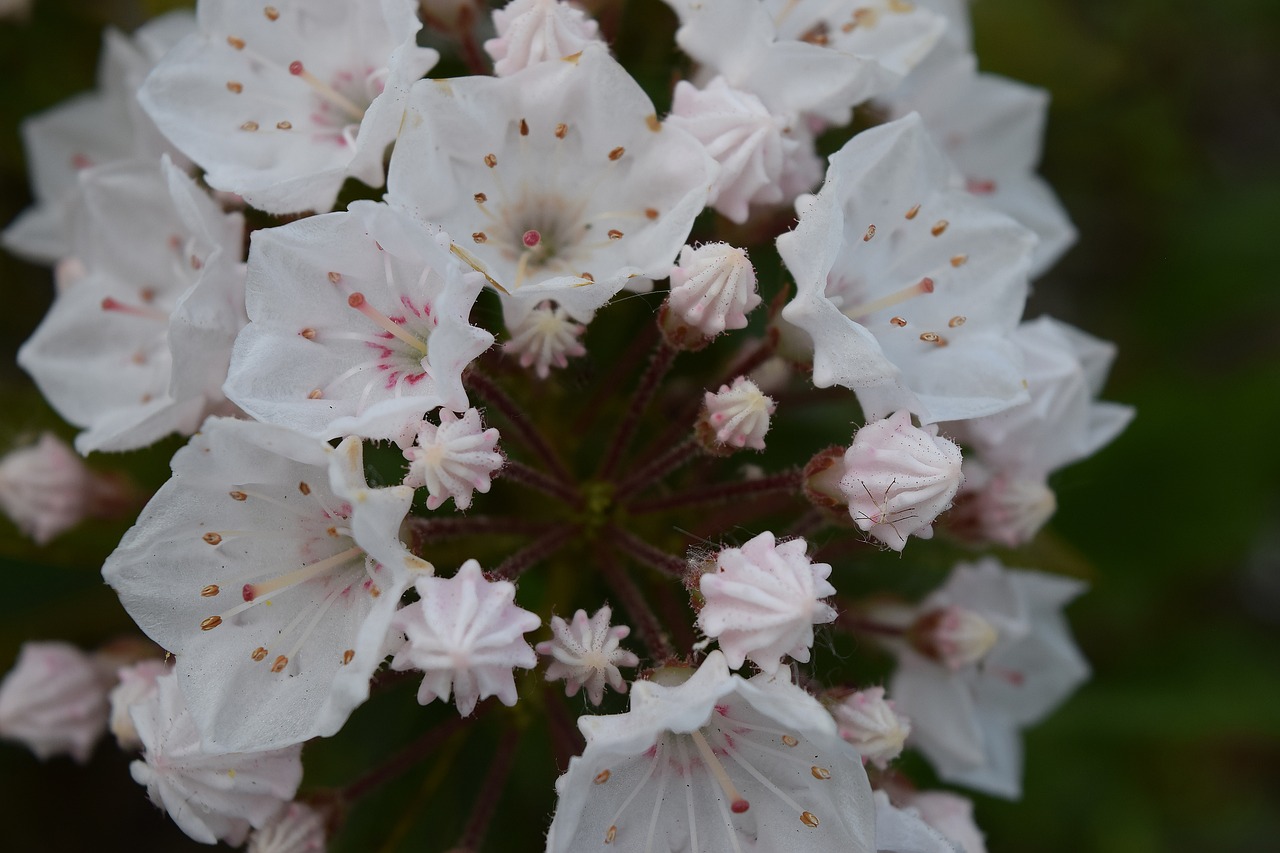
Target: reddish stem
(520,473)
(490,792)
(533,553)
(722,492)
(410,755)
(663,356)
(522,424)
(657,468)
(642,617)
(647,555)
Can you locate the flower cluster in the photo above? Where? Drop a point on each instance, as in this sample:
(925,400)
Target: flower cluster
(494,369)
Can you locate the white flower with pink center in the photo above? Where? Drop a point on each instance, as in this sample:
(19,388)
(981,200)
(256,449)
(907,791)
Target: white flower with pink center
(545,337)
(737,415)
(558,182)
(138,347)
(54,701)
(281,103)
(271,570)
(908,286)
(533,31)
(707,760)
(713,288)
(809,56)
(212,797)
(466,635)
(898,478)
(359,326)
(763,600)
(453,460)
(868,721)
(586,652)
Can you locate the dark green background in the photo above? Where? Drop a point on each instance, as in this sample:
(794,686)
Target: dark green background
(1163,144)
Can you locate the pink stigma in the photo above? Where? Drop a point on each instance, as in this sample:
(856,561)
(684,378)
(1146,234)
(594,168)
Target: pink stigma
(531,238)
(295,67)
(355,300)
(739,806)
(248,592)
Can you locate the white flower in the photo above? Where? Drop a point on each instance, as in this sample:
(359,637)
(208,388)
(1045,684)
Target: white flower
(271,570)
(898,478)
(715,763)
(54,701)
(282,103)
(908,286)
(46,489)
(587,653)
(1005,509)
(533,31)
(297,829)
(763,600)
(808,55)
(736,416)
(868,721)
(904,831)
(138,347)
(950,814)
(558,182)
(967,716)
(713,288)
(359,326)
(137,685)
(92,129)
(211,797)
(454,459)
(466,635)
(545,337)
(754,147)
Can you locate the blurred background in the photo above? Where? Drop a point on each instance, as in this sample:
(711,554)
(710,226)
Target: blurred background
(1164,144)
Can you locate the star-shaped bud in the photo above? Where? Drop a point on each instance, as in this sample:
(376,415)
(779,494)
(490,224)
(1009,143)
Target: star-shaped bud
(734,417)
(533,31)
(211,797)
(763,600)
(898,478)
(282,103)
(711,761)
(466,634)
(868,721)
(297,828)
(54,701)
(586,653)
(360,326)
(546,337)
(713,288)
(908,286)
(453,460)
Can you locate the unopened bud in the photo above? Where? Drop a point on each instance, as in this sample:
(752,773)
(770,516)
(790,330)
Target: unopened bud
(870,724)
(734,417)
(822,475)
(953,636)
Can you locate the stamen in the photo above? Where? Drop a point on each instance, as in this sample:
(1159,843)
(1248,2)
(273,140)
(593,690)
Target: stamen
(357,301)
(531,238)
(210,590)
(924,285)
(737,802)
(147,313)
(326,91)
(254,591)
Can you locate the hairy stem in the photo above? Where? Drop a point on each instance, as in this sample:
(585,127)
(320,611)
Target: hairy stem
(663,356)
(642,617)
(490,792)
(520,473)
(657,468)
(522,425)
(410,755)
(722,492)
(536,551)
(645,554)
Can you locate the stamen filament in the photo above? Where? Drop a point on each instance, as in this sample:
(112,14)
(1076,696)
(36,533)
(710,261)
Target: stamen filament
(327,92)
(297,576)
(924,285)
(737,802)
(357,301)
(143,311)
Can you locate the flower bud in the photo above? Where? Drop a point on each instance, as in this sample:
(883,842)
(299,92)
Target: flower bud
(734,417)
(712,289)
(868,722)
(54,701)
(953,636)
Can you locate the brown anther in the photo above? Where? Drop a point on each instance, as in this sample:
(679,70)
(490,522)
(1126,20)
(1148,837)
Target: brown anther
(602,777)
(611,834)
(588,276)
(308,333)
(284,125)
(865,17)
(315,394)
(335,277)
(651,122)
(871,232)
(212,538)
(145,398)
(933,338)
(491,160)
(939,227)
(332,531)
(561,130)
(615,234)
(272,13)
(281,662)
(480,198)
(616,154)
(901,6)
(147,295)
(479,236)
(210,591)
(789,740)
(809,819)
(958,260)
(848,27)
(237,43)
(304,488)
(235,87)
(817,34)
(651,213)
(238,496)
(249,125)
(820,772)
(348,656)
(211,623)
(898,321)
(374,592)
(911,214)
(956,321)
(524,127)
(259,654)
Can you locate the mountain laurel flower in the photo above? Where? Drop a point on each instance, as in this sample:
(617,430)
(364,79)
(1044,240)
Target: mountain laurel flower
(713,288)
(763,600)
(137,685)
(710,761)
(898,478)
(271,569)
(297,828)
(735,417)
(533,31)
(54,701)
(212,797)
(546,337)
(46,489)
(466,635)
(586,652)
(870,724)
(453,460)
